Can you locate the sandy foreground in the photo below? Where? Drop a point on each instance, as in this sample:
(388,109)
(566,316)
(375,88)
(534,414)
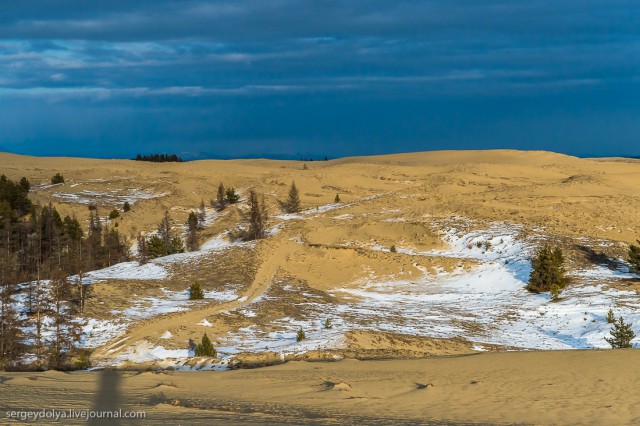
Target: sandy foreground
(554,387)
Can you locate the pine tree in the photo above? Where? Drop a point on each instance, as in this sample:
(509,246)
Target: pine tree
(66,331)
(301,335)
(195,291)
(57,178)
(337,199)
(192,232)
(257,217)
(547,270)
(205,349)
(221,201)
(202,215)
(231,196)
(393,249)
(611,318)
(621,335)
(292,205)
(126,207)
(114,214)
(634,258)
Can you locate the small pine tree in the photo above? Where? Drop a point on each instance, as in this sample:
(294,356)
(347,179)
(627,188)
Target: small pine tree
(192,232)
(206,349)
(300,336)
(292,205)
(257,217)
(621,335)
(304,167)
(337,199)
(547,270)
(393,249)
(221,201)
(328,324)
(195,291)
(611,318)
(126,207)
(231,196)
(57,178)
(114,214)
(634,258)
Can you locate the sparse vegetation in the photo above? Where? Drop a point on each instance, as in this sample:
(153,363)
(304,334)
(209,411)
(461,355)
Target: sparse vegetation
(114,214)
(547,271)
(126,207)
(621,335)
(195,291)
(337,199)
(328,324)
(292,204)
(164,243)
(231,196)
(393,249)
(634,258)
(257,217)
(57,178)
(611,318)
(301,335)
(192,232)
(205,348)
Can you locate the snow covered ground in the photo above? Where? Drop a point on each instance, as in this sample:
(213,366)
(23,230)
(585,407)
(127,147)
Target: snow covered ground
(115,196)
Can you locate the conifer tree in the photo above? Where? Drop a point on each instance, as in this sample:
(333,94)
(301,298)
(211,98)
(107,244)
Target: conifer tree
(292,205)
(231,196)
(621,335)
(547,270)
(611,318)
(195,291)
(257,216)
(337,199)
(126,207)
(634,258)
(205,349)
(221,201)
(300,336)
(201,215)
(192,232)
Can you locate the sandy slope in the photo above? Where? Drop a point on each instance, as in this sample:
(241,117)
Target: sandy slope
(577,387)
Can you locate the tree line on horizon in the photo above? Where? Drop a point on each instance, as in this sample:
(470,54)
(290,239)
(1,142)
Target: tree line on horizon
(159,158)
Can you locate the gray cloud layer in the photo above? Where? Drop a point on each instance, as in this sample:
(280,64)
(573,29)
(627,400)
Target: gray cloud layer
(111,78)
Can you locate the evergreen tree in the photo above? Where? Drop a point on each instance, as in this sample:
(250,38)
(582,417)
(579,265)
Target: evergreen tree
(192,232)
(231,196)
(66,331)
(195,291)
(547,270)
(611,318)
(201,215)
(257,216)
(300,336)
(221,201)
(634,258)
(621,335)
(205,349)
(57,178)
(292,205)
(126,207)
(337,199)
(114,214)
(143,250)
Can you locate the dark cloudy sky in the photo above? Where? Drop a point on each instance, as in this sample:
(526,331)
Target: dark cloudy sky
(111,78)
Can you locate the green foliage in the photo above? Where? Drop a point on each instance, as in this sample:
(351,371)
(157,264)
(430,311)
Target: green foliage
(292,205)
(547,271)
(83,360)
(14,196)
(206,349)
(126,207)
(300,336)
(393,249)
(114,214)
(337,199)
(195,292)
(231,196)
(328,324)
(163,243)
(57,178)
(221,201)
(621,335)
(611,318)
(555,291)
(634,258)
(257,217)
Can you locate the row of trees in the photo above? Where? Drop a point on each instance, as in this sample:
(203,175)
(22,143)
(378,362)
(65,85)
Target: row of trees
(159,158)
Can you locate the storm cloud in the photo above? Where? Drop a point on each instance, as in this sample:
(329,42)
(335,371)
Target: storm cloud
(289,78)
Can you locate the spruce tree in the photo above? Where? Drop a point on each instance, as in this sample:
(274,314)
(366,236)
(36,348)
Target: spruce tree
(292,205)
(337,199)
(126,207)
(231,196)
(621,335)
(57,178)
(300,336)
(547,270)
(221,201)
(195,291)
(611,318)
(201,215)
(257,216)
(192,232)
(634,258)
(205,349)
